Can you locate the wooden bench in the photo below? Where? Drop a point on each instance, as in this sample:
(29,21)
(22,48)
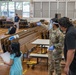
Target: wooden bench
(27,43)
(26,37)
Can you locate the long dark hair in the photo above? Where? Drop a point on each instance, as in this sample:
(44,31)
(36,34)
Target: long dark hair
(16,49)
(64,22)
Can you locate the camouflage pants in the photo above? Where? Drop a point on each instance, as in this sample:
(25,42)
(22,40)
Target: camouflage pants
(57,67)
(54,60)
(50,63)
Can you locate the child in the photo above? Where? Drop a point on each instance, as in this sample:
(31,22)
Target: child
(15,60)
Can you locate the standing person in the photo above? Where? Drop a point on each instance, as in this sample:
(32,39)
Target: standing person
(16,20)
(69,45)
(15,60)
(56,44)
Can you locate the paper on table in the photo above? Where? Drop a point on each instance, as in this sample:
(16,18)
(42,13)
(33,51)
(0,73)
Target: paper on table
(6,57)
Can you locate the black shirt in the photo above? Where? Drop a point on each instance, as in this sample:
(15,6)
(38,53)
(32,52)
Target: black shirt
(70,43)
(12,31)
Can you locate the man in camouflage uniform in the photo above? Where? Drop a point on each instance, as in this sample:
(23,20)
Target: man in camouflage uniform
(54,57)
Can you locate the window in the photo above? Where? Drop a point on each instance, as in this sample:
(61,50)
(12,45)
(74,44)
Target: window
(11,9)
(4,11)
(18,5)
(26,9)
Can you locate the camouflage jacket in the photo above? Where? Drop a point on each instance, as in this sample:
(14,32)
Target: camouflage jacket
(56,38)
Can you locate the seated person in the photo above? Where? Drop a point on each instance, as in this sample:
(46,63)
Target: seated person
(12,29)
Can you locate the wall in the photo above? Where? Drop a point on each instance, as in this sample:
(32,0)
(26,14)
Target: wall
(54,0)
(44,0)
(66,9)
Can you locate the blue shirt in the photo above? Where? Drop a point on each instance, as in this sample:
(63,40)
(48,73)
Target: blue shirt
(16,68)
(16,19)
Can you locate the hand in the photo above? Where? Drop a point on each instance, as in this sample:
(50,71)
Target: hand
(51,48)
(66,70)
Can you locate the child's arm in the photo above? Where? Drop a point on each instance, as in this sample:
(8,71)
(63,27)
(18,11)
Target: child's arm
(10,63)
